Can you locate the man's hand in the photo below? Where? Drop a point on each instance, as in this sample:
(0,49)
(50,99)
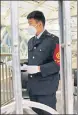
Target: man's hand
(39,68)
(24,67)
(33,69)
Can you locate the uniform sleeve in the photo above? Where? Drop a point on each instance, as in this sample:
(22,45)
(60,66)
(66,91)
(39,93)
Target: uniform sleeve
(54,66)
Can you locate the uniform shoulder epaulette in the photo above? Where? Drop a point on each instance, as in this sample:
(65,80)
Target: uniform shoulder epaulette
(48,34)
(54,38)
(51,35)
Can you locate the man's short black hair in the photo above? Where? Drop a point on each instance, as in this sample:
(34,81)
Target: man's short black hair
(38,15)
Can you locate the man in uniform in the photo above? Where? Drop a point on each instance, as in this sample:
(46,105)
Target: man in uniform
(43,62)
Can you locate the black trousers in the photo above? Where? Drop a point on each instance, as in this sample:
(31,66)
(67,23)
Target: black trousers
(49,100)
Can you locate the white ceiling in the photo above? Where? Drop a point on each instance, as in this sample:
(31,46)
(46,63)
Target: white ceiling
(49,8)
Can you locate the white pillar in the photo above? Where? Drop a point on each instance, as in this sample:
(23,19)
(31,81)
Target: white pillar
(62,57)
(68,58)
(16,57)
(65,57)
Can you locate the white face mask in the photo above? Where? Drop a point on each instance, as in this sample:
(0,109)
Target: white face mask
(32,30)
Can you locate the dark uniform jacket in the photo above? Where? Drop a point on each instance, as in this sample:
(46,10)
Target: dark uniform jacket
(44,52)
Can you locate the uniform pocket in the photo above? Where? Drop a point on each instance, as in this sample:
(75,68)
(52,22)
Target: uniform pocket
(46,78)
(41,49)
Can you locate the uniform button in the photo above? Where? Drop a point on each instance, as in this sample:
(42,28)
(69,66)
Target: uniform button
(33,57)
(40,50)
(34,47)
(31,76)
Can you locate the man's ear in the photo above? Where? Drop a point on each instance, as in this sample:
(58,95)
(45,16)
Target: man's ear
(40,24)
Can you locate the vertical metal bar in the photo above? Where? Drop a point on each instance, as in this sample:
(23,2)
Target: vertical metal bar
(9,84)
(16,57)
(12,85)
(3,83)
(6,82)
(0,84)
(77,57)
(68,58)
(62,57)
(11,73)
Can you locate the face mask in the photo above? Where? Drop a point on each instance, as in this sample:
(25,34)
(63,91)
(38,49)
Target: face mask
(32,30)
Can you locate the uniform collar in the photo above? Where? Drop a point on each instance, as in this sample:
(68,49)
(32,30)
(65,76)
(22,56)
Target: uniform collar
(40,34)
(34,42)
